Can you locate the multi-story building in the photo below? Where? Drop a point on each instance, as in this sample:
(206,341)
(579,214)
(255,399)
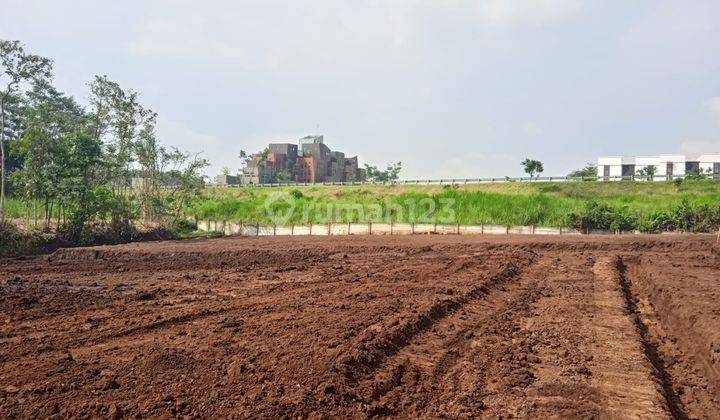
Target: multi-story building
(224,179)
(310,162)
(257,172)
(665,166)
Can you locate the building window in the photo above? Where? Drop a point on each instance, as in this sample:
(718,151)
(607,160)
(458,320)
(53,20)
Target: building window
(692,167)
(628,171)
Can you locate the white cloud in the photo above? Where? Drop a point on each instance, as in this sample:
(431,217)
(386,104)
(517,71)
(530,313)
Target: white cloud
(712,106)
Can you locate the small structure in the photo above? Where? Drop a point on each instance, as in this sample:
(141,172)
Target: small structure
(224,179)
(666,167)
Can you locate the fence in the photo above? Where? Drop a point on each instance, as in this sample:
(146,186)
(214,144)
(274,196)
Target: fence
(329,229)
(460,181)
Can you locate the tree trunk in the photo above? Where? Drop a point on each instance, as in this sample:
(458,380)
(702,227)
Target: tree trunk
(2,158)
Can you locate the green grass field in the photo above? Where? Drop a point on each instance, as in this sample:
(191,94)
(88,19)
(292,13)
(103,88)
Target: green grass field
(18,209)
(508,203)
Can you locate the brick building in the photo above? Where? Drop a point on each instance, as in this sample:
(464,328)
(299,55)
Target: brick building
(310,162)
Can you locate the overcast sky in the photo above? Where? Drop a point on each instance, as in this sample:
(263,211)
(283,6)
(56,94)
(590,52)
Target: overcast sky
(452,88)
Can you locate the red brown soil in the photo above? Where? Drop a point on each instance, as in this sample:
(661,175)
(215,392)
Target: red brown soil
(412,326)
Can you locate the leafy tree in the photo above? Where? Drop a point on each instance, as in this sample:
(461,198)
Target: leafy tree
(59,158)
(118,122)
(183,170)
(160,168)
(244,158)
(648,172)
(18,67)
(390,174)
(532,167)
(14,112)
(101,165)
(283,176)
(589,171)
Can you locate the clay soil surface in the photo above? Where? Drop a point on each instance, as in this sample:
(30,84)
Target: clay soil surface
(320,327)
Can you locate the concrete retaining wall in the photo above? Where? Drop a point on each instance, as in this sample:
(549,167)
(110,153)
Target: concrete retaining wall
(321,230)
(380,228)
(359,229)
(238,228)
(402,229)
(494,229)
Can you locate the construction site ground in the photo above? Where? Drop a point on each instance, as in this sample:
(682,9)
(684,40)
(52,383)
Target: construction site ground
(364,326)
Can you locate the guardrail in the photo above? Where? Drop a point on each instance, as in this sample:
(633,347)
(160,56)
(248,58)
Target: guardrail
(461,181)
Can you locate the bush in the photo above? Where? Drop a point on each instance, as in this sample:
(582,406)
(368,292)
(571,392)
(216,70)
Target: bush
(598,216)
(184,226)
(297,194)
(685,217)
(14,241)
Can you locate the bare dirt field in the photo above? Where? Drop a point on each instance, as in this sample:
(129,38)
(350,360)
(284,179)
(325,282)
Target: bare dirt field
(411,326)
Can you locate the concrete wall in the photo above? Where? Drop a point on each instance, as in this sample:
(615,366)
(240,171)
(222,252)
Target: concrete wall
(339,229)
(359,229)
(236,228)
(301,230)
(322,230)
(402,229)
(494,230)
(380,228)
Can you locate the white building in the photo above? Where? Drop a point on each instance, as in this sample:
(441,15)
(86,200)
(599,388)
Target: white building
(666,166)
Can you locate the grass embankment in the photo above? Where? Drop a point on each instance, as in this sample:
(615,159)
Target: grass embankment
(637,204)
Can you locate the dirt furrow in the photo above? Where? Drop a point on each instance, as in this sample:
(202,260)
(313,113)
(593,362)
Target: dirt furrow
(686,349)
(378,344)
(627,370)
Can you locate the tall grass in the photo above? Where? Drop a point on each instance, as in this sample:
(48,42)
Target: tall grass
(21,209)
(514,203)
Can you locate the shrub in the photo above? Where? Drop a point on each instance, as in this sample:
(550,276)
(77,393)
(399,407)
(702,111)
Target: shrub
(296,194)
(598,216)
(184,226)
(685,217)
(14,241)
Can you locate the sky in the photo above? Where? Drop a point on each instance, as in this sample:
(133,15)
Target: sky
(452,88)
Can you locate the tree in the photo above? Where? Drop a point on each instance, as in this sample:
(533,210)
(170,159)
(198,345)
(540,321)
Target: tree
(283,176)
(17,67)
(80,165)
(60,158)
(14,112)
(391,174)
(118,121)
(225,171)
(648,172)
(589,171)
(532,167)
(244,158)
